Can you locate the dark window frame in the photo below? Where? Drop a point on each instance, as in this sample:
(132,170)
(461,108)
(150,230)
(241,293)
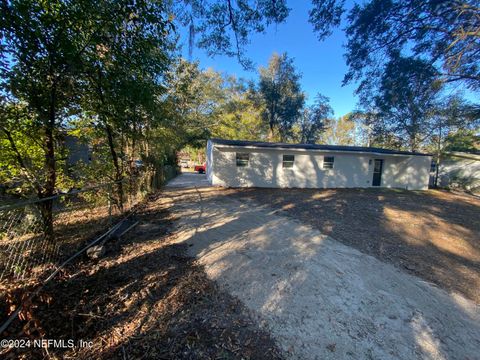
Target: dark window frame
(328,162)
(242,159)
(288,164)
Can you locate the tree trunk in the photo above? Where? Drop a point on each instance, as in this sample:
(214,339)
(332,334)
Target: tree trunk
(439,150)
(46,212)
(46,207)
(116,164)
(270,132)
(413,142)
(271,123)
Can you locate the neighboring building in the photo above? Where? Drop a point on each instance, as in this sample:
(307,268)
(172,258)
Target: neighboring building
(77,151)
(234,163)
(460,170)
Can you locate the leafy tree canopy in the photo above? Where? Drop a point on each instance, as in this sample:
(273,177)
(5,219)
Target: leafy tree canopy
(464,140)
(444,32)
(314,119)
(407,101)
(279,87)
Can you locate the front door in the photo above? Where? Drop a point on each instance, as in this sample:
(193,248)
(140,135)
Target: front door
(377,172)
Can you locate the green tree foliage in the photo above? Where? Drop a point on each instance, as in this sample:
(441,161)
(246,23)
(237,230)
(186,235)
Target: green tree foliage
(454,121)
(102,68)
(314,119)
(43,42)
(463,140)
(342,131)
(194,99)
(407,101)
(43,60)
(210,104)
(281,93)
(241,113)
(400,52)
(22,153)
(123,70)
(207,104)
(68,59)
(363,131)
(443,32)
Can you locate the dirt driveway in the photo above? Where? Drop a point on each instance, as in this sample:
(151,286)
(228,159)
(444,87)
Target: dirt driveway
(431,234)
(189,180)
(319,298)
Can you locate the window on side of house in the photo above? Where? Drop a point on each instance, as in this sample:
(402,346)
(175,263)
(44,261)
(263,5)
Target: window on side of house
(242,159)
(328,162)
(288,161)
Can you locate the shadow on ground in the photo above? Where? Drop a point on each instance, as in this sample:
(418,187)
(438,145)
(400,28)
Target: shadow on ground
(432,234)
(320,298)
(146,299)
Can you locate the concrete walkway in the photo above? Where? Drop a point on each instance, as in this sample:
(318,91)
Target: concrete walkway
(319,298)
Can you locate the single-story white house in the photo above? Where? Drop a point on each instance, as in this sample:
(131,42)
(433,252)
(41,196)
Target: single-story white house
(234,163)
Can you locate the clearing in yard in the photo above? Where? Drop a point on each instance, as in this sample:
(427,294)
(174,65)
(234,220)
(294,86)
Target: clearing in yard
(318,297)
(432,234)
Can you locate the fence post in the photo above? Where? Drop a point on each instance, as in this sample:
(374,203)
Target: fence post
(109,195)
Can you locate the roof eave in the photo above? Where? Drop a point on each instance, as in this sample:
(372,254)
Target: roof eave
(314,150)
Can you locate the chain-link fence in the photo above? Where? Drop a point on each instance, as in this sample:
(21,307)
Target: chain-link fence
(37,235)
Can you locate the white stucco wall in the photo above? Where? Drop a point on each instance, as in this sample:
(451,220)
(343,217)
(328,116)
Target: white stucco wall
(350,170)
(406,172)
(460,170)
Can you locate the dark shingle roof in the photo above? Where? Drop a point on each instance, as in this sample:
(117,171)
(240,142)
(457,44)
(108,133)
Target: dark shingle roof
(272,145)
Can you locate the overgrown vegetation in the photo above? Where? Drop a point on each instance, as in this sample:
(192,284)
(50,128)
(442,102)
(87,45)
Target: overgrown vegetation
(408,59)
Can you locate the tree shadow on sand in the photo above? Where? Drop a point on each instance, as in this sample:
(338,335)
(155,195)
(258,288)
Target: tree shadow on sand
(434,234)
(147,299)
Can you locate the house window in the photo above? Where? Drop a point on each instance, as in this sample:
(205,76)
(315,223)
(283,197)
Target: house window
(328,162)
(242,159)
(288,161)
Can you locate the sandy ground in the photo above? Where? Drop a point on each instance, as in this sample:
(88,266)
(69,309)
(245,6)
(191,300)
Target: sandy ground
(431,234)
(319,298)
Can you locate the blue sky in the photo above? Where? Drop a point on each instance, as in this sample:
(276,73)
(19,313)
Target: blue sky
(321,63)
